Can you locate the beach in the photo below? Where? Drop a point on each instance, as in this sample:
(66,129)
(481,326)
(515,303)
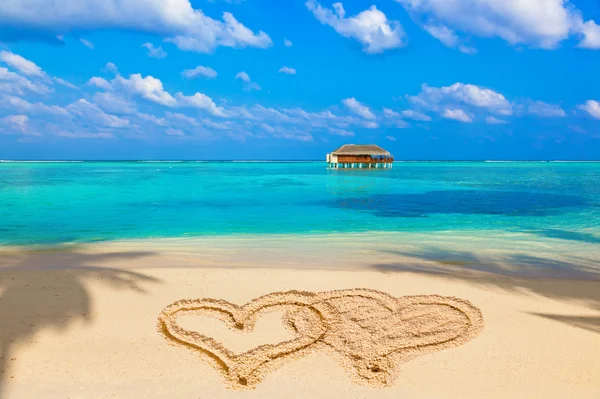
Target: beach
(80,321)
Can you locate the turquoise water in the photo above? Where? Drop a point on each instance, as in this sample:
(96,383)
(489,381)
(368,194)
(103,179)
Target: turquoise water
(91,201)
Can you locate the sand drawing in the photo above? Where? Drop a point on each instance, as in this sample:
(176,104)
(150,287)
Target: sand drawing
(370,332)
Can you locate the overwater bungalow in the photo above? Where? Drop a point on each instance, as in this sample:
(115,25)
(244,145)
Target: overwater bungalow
(360,156)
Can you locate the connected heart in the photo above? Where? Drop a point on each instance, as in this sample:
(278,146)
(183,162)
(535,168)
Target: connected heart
(370,332)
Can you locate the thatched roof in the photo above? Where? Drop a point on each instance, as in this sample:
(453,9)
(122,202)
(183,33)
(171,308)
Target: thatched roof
(359,149)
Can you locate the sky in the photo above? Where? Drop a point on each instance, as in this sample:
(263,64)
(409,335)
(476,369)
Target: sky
(295,79)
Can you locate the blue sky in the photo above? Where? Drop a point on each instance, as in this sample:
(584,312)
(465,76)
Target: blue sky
(264,79)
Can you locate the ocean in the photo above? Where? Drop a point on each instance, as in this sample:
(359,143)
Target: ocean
(82,202)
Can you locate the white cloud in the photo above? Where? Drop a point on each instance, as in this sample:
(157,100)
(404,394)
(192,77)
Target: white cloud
(243,76)
(592,107)
(65,83)
(90,112)
(359,109)
(490,120)
(448,38)
(340,132)
(154,119)
(85,135)
(201,101)
(390,138)
(110,67)
(439,99)
(538,23)
(16,119)
(199,71)
(174,132)
(370,27)
(147,87)
(544,110)
(181,118)
(457,114)
(21,64)
(87,43)
(591,35)
(18,123)
(391,113)
(155,52)
(249,85)
(417,116)
(175,20)
(14,83)
(443,34)
(287,43)
(100,83)
(113,103)
(21,105)
(287,70)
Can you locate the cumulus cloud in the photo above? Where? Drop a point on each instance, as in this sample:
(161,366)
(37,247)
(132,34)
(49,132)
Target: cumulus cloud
(113,103)
(154,52)
(153,119)
(178,118)
(370,27)
(457,114)
(110,67)
(100,83)
(17,123)
(591,35)
(287,43)
(243,76)
(592,107)
(538,23)
(544,110)
(199,71)
(11,82)
(175,20)
(415,115)
(21,64)
(201,101)
(287,70)
(91,112)
(65,83)
(340,132)
(23,106)
(147,87)
(490,120)
(439,99)
(389,113)
(359,109)
(390,138)
(249,85)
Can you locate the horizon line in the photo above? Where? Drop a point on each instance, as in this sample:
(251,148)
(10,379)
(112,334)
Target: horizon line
(290,160)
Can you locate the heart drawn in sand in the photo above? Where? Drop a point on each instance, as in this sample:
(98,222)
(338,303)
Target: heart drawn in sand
(369,332)
(373,332)
(248,368)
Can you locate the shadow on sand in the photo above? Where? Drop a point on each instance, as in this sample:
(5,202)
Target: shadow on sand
(52,295)
(515,272)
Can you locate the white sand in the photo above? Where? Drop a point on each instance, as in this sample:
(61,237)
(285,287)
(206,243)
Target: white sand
(85,325)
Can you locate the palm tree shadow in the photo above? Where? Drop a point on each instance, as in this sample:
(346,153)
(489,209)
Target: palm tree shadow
(37,295)
(522,273)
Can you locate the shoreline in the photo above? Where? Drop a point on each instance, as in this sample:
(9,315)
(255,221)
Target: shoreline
(512,254)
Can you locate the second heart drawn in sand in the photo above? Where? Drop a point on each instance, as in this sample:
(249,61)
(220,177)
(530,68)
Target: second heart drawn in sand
(369,332)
